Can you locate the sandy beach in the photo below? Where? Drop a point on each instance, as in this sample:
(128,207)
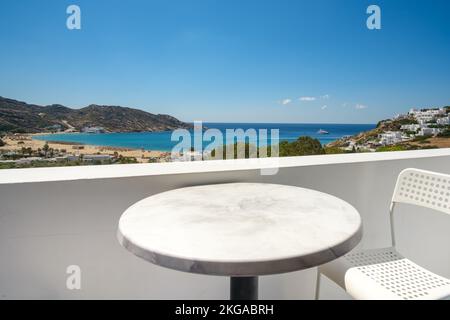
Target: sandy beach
(17,142)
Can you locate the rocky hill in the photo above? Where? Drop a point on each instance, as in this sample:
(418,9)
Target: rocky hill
(17,116)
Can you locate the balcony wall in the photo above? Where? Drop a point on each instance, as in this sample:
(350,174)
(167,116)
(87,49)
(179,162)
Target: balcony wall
(55,217)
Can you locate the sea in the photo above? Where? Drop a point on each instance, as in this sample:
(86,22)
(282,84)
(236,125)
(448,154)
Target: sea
(162,141)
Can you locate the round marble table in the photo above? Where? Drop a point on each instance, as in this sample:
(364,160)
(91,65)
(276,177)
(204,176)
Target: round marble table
(241,230)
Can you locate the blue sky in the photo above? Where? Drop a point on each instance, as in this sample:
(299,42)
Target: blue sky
(230,60)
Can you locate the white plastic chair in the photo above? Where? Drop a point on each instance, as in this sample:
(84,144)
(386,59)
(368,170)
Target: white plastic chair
(384,273)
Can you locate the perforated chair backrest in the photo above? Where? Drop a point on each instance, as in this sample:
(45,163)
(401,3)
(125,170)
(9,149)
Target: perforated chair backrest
(423,188)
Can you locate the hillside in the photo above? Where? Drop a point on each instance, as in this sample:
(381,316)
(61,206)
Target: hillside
(17,116)
(418,129)
(382,126)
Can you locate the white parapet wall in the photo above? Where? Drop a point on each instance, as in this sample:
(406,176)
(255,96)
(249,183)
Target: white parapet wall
(52,218)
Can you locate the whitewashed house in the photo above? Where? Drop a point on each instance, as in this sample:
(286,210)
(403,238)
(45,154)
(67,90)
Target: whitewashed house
(428,131)
(443,121)
(410,127)
(390,137)
(93,130)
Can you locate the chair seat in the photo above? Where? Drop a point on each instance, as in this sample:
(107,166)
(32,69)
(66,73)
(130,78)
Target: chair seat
(385,274)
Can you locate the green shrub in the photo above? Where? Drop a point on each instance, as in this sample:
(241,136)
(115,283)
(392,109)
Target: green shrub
(333,150)
(303,146)
(250,151)
(444,134)
(392,148)
(126,160)
(7,165)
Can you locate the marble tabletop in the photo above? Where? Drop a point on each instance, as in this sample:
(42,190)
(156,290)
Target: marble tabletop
(240,229)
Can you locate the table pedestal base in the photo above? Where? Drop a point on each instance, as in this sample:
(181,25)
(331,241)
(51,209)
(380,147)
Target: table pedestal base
(244,288)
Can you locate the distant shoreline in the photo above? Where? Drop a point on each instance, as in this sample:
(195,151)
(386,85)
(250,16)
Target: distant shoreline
(99,146)
(112,148)
(25,141)
(65,142)
(161,140)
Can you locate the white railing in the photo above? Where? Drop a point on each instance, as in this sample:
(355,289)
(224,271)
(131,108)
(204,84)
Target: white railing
(51,218)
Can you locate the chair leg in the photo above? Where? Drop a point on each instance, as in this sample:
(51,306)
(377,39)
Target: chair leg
(317,294)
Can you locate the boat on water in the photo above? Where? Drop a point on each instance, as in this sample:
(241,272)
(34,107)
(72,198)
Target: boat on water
(322,132)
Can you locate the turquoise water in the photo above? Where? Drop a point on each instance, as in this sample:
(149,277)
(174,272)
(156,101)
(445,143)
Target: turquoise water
(161,141)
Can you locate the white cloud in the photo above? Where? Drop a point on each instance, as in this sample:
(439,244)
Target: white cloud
(360,106)
(307,98)
(285,101)
(324,107)
(325,96)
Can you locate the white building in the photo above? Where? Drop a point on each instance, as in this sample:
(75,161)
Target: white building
(434,112)
(93,130)
(96,157)
(28,160)
(410,127)
(428,131)
(443,121)
(390,137)
(72,157)
(55,127)
(426,115)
